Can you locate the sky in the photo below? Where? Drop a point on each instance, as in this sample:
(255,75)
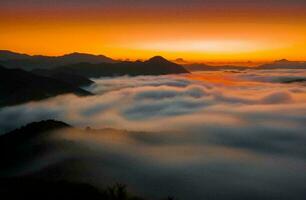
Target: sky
(207,30)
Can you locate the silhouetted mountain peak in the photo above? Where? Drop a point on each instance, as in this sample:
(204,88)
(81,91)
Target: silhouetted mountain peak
(282,61)
(180,61)
(16,60)
(45,125)
(284,64)
(158,59)
(75,54)
(154,66)
(31,130)
(86,57)
(10,55)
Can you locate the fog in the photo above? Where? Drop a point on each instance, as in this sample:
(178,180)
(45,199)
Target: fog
(210,135)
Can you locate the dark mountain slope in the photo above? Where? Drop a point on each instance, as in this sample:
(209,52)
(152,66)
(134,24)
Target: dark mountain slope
(29,131)
(18,86)
(70,78)
(22,148)
(279,64)
(19,146)
(23,61)
(154,66)
(35,189)
(88,65)
(283,64)
(84,57)
(9,55)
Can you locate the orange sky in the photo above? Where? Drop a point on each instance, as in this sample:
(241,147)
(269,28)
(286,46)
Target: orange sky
(195,32)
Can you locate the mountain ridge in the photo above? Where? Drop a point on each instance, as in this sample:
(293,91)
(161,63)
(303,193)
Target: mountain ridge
(277,64)
(154,66)
(24,146)
(19,86)
(89,65)
(12,59)
(284,64)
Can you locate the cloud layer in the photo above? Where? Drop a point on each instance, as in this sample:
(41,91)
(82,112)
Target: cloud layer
(133,103)
(216,135)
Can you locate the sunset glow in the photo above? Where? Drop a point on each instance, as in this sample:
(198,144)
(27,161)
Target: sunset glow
(237,31)
(153,99)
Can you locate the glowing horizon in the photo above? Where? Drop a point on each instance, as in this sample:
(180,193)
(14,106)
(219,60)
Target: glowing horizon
(196,31)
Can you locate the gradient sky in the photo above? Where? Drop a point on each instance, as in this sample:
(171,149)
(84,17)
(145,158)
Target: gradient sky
(211,30)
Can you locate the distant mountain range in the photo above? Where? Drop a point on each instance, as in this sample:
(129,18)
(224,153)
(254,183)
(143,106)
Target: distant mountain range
(22,85)
(19,86)
(154,66)
(284,64)
(11,59)
(279,64)
(88,65)
(113,67)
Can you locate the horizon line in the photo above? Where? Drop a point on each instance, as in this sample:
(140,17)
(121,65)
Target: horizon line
(182,61)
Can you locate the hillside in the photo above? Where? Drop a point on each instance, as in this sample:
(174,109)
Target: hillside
(154,66)
(70,78)
(283,64)
(18,86)
(11,59)
(20,150)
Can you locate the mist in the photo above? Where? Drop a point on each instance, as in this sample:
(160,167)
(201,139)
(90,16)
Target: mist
(205,136)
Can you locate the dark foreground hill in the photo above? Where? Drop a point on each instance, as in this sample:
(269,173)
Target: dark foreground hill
(67,77)
(154,66)
(17,146)
(18,86)
(21,177)
(35,189)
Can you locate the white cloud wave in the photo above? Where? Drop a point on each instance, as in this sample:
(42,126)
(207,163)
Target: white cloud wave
(245,130)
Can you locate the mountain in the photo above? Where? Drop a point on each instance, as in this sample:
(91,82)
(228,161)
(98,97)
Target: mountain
(22,148)
(70,78)
(19,86)
(36,189)
(181,61)
(23,61)
(35,165)
(154,66)
(31,130)
(20,145)
(279,64)
(83,57)
(283,64)
(9,55)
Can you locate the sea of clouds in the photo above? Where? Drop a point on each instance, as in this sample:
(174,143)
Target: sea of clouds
(210,135)
(158,103)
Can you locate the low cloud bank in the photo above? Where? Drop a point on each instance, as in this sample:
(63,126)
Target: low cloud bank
(132,103)
(210,139)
